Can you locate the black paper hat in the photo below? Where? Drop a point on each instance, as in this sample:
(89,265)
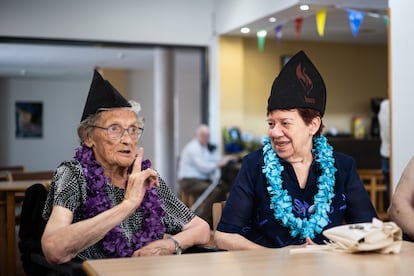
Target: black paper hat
(102,95)
(298,85)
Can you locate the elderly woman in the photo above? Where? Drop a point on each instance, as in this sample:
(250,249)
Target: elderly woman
(108,202)
(296,186)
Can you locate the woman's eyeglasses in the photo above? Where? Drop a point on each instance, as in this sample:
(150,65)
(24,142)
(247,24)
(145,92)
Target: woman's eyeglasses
(116,131)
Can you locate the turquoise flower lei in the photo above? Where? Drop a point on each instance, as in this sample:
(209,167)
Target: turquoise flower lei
(281,201)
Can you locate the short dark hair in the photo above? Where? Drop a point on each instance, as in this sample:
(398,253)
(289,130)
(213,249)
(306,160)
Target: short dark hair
(308,114)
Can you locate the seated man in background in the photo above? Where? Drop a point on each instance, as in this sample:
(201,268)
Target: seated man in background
(401,209)
(197,166)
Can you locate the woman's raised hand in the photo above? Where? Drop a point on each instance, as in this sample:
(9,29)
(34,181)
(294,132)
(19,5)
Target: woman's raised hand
(139,181)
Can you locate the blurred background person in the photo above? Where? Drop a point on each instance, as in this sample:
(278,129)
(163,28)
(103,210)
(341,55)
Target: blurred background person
(384,124)
(199,165)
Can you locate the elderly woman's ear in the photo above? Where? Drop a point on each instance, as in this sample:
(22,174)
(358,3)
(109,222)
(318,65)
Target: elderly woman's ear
(89,142)
(316,123)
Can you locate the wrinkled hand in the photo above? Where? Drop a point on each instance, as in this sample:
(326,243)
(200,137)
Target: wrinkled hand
(156,248)
(139,181)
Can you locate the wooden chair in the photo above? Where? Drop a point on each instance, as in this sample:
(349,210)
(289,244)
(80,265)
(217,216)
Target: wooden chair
(217,209)
(5,176)
(37,175)
(44,177)
(374,183)
(19,168)
(187,199)
(6,171)
(30,233)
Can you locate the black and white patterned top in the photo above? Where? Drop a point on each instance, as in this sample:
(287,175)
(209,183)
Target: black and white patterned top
(68,189)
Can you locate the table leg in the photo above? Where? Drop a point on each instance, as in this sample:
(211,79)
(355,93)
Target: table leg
(3,235)
(11,233)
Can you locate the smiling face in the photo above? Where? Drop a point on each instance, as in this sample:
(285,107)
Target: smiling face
(114,154)
(291,138)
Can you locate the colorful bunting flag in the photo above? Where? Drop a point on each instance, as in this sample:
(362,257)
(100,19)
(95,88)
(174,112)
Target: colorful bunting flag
(355,20)
(320,22)
(278,33)
(298,26)
(261,37)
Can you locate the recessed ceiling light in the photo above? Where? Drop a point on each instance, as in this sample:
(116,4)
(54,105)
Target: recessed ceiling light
(245,30)
(272,19)
(261,33)
(304,7)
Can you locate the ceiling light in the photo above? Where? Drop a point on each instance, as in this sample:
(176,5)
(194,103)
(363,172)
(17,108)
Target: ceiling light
(372,14)
(272,19)
(245,30)
(261,33)
(304,7)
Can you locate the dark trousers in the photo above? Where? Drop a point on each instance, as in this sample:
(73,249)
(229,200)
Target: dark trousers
(196,187)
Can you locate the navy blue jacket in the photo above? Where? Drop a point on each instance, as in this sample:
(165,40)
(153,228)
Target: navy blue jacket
(247,210)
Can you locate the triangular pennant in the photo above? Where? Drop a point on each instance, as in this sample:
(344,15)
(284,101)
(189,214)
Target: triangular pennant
(261,38)
(320,22)
(355,20)
(298,26)
(386,20)
(278,33)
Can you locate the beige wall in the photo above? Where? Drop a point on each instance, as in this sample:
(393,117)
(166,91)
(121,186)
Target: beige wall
(353,74)
(117,77)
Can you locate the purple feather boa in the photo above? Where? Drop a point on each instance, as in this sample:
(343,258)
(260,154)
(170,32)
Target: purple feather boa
(114,243)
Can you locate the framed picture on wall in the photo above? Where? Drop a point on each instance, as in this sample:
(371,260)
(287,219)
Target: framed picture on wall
(29,119)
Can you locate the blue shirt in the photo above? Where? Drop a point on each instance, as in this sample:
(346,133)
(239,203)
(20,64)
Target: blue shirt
(247,211)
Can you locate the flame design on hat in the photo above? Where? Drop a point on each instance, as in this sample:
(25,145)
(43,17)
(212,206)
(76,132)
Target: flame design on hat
(304,79)
(102,95)
(298,85)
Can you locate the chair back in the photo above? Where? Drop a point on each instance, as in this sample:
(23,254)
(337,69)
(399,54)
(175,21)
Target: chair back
(7,171)
(37,175)
(217,209)
(31,228)
(19,168)
(5,176)
(374,183)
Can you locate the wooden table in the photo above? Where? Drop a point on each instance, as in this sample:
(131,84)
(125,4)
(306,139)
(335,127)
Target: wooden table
(8,191)
(263,262)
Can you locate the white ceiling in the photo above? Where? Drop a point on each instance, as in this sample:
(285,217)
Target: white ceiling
(42,59)
(60,60)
